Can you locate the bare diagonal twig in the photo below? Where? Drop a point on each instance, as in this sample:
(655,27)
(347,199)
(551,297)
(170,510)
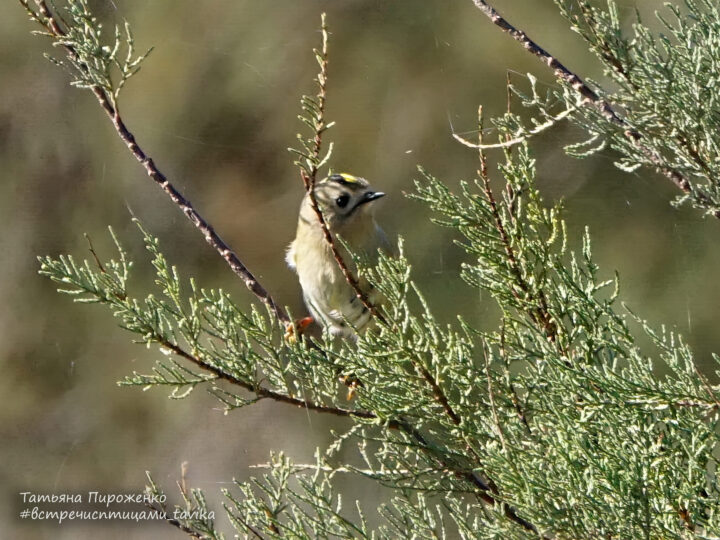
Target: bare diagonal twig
(590,97)
(53,27)
(309,174)
(262,392)
(486,491)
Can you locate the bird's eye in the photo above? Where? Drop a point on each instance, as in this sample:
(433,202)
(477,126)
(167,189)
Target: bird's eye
(342,200)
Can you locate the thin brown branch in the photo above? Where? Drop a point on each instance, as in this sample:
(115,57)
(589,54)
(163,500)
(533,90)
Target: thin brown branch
(309,177)
(561,72)
(162,509)
(249,527)
(322,79)
(541,313)
(94,254)
(590,97)
(211,237)
(511,387)
(706,384)
(330,240)
(192,533)
(49,20)
(262,392)
(491,396)
(438,393)
(607,53)
(487,491)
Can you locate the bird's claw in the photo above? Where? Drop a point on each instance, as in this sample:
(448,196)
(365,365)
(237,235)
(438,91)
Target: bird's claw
(352,383)
(294,330)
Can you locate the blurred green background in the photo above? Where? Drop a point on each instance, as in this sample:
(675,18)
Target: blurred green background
(216,106)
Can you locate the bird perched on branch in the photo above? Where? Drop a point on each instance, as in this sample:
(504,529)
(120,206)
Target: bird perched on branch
(347,204)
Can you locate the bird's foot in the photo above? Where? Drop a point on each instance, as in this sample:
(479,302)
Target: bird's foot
(294,330)
(352,383)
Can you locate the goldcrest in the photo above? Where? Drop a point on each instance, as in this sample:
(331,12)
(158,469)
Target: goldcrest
(347,203)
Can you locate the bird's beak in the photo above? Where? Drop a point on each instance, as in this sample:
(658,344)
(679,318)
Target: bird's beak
(367,197)
(371,196)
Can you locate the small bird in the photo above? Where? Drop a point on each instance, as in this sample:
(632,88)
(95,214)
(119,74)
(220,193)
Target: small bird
(347,205)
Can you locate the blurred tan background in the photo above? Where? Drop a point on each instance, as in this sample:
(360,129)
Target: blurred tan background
(216,106)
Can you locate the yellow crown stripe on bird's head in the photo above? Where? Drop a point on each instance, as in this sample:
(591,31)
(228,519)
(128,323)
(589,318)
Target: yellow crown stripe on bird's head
(349,178)
(344,178)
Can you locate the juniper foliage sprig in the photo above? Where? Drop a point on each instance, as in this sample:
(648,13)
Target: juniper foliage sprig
(93,62)
(193,517)
(558,417)
(664,91)
(310,157)
(555,425)
(205,327)
(579,406)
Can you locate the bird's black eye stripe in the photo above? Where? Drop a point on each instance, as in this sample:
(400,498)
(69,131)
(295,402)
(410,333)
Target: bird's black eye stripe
(342,200)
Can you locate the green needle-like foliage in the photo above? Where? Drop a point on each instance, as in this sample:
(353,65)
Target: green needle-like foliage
(558,418)
(91,62)
(662,86)
(557,424)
